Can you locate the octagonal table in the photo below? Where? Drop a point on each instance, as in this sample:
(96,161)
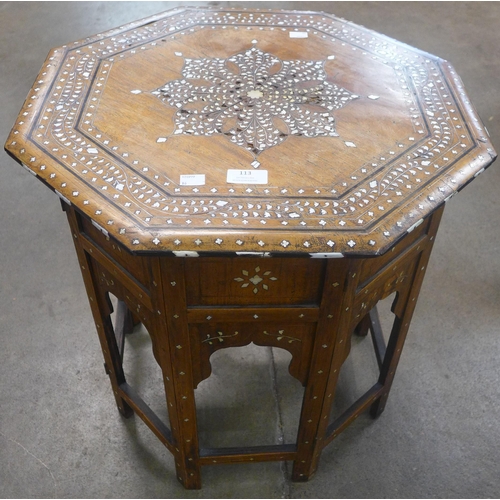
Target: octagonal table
(190,146)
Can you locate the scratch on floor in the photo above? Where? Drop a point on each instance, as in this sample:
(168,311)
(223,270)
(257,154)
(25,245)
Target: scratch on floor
(36,458)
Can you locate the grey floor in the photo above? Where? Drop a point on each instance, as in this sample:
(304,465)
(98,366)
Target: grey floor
(60,433)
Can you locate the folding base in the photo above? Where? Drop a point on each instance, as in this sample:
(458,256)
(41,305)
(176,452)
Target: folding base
(193,307)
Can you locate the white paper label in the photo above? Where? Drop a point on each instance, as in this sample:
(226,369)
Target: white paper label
(298,34)
(192,180)
(246,176)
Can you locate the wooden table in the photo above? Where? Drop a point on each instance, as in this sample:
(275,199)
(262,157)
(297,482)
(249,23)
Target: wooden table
(236,135)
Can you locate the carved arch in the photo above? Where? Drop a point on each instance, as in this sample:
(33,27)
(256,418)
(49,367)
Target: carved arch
(207,339)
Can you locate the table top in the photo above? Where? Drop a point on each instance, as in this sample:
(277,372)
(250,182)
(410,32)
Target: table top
(241,130)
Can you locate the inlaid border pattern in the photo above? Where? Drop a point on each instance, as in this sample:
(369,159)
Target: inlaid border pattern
(62,129)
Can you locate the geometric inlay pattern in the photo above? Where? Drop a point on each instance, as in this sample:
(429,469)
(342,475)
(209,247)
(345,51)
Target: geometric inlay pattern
(255,99)
(256,280)
(359,136)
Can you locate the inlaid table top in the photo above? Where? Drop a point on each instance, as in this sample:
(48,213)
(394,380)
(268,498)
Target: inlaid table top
(241,130)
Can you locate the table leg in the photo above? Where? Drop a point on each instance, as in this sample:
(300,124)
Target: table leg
(363,327)
(403,310)
(176,363)
(331,341)
(377,336)
(101,310)
(405,275)
(124,325)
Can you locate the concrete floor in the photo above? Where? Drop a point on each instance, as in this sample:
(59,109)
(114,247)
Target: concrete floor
(60,433)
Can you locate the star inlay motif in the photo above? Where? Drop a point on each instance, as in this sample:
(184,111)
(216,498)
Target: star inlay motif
(255,99)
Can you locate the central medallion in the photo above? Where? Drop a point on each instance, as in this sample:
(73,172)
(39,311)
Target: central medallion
(254,99)
(254,94)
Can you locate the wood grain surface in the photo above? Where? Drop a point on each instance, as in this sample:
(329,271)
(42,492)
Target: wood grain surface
(250,131)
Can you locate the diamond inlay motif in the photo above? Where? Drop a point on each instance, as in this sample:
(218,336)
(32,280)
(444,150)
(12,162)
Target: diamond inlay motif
(255,280)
